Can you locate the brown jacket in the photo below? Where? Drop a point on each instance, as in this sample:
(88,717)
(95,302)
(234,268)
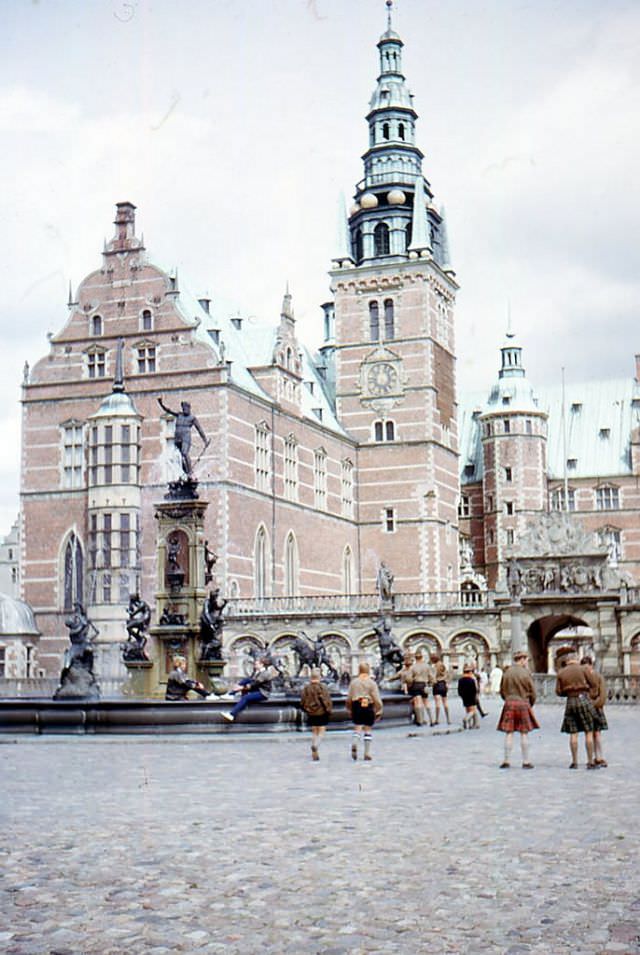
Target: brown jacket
(517,684)
(315,699)
(362,686)
(421,672)
(598,696)
(574,679)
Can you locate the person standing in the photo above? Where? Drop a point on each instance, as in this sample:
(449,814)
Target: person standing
(517,716)
(364,706)
(598,698)
(315,700)
(468,693)
(440,688)
(576,683)
(495,679)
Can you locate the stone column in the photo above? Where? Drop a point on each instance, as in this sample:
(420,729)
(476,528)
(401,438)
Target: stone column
(517,638)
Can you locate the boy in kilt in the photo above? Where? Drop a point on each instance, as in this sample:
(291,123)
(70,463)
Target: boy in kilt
(315,700)
(364,706)
(598,698)
(580,716)
(519,695)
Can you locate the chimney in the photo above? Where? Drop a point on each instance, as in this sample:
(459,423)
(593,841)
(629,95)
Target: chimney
(125,221)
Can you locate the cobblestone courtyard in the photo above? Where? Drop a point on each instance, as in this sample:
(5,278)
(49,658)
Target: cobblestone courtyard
(243,845)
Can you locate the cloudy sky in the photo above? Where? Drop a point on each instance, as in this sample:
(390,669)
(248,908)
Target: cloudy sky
(234,124)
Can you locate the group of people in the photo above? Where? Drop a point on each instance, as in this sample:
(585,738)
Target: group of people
(577,680)
(585,694)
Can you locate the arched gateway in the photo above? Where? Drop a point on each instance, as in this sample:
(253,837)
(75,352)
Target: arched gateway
(543,632)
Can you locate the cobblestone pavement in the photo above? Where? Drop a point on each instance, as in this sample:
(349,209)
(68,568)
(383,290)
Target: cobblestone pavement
(242,845)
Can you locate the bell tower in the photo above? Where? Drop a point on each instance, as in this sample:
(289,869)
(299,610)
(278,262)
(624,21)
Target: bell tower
(394,353)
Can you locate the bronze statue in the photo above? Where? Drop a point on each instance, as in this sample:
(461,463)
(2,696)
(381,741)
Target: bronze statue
(173,552)
(211,626)
(139,617)
(390,652)
(313,655)
(210,558)
(77,679)
(185,421)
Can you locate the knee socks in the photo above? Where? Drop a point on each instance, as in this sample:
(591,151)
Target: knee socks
(524,746)
(508,746)
(367,744)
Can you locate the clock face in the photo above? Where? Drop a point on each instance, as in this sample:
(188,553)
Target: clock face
(382,379)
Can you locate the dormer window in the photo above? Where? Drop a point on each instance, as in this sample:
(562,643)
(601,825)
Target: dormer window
(605,433)
(572,464)
(96,325)
(576,407)
(506,400)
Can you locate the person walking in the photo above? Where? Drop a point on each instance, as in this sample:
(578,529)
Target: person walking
(517,716)
(254,689)
(404,676)
(315,700)
(364,706)
(598,698)
(440,688)
(468,693)
(477,676)
(421,680)
(577,683)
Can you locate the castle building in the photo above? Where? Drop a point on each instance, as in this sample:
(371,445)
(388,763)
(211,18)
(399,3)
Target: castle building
(316,468)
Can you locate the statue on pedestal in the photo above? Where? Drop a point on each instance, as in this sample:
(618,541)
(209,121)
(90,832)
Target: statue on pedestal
(384,583)
(77,679)
(211,626)
(185,421)
(210,558)
(139,617)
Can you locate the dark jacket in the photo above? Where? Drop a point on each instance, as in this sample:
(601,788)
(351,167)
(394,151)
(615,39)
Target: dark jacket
(468,690)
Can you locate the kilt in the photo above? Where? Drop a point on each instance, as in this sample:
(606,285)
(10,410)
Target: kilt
(440,688)
(580,715)
(362,715)
(602,720)
(317,719)
(517,717)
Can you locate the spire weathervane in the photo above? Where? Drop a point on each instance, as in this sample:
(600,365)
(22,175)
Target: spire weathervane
(389,4)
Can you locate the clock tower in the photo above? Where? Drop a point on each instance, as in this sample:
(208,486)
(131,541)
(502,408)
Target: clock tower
(393,349)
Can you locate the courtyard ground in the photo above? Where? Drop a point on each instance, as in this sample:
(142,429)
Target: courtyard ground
(242,845)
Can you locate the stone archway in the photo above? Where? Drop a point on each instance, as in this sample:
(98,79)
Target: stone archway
(339,652)
(542,632)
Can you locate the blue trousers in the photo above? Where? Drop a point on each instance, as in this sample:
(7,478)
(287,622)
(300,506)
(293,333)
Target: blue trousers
(254,696)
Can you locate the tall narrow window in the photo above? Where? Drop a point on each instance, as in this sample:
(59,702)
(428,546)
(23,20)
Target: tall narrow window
(389,431)
(407,236)
(378,431)
(125,540)
(73,572)
(263,458)
(291,468)
(381,239)
(359,245)
(72,455)
(389,329)
(320,478)
(347,488)
(389,520)
(401,131)
(385,130)
(290,566)
(108,454)
(96,324)
(507,426)
(125,453)
(374,322)
(260,564)
(146,323)
(107,527)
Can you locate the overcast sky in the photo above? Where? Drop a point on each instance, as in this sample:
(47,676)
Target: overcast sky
(234,124)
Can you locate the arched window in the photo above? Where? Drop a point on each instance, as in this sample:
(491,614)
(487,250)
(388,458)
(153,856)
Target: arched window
(96,325)
(381,239)
(378,431)
(374,322)
(347,571)
(260,564)
(73,572)
(146,322)
(290,566)
(289,358)
(388,319)
(401,131)
(389,431)
(359,245)
(385,130)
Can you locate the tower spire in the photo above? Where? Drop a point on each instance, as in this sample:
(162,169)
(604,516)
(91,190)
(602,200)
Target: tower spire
(343,240)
